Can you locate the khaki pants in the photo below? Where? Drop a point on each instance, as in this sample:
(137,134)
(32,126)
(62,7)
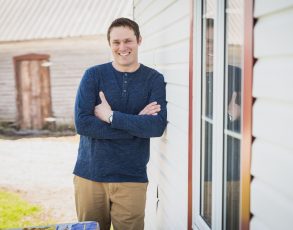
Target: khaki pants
(121,203)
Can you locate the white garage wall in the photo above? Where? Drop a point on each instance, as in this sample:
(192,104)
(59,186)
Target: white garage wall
(165,43)
(272,150)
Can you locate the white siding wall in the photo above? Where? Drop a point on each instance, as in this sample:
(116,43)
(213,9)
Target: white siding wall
(69,57)
(165,41)
(272,151)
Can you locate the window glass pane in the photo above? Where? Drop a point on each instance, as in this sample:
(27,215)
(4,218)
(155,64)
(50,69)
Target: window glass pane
(207,110)
(232,128)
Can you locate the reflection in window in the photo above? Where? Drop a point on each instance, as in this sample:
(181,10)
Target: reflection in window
(232,131)
(207,110)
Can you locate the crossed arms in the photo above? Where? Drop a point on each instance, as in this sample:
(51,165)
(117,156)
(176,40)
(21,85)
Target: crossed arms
(93,120)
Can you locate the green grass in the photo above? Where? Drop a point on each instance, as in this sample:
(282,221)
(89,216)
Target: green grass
(16,212)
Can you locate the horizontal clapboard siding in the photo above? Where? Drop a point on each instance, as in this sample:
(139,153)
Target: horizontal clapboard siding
(264,7)
(273,74)
(255,224)
(69,58)
(272,121)
(276,27)
(272,150)
(266,165)
(165,43)
(271,206)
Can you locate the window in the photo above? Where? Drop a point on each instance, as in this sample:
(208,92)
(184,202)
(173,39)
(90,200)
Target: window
(217,202)
(207,111)
(233,111)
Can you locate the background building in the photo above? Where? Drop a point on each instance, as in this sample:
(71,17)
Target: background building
(73,36)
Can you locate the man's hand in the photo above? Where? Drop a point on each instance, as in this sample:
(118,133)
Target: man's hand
(151,109)
(234,110)
(103,110)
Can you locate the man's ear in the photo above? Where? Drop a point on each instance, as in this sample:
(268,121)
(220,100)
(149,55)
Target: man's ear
(139,40)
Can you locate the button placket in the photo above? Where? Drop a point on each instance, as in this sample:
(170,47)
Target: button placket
(124,85)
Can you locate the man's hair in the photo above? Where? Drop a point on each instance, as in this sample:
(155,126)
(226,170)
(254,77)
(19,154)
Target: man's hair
(125,22)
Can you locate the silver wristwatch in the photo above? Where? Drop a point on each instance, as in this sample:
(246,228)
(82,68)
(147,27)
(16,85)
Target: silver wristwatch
(230,117)
(110,118)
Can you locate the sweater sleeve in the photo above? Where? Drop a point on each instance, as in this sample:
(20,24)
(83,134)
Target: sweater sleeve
(145,126)
(85,121)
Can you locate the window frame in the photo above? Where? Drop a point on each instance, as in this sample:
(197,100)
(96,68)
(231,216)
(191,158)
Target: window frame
(246,124)
(219,32)
(197,222)
(247,103)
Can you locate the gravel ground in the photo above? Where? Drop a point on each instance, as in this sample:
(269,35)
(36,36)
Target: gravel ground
(40,170)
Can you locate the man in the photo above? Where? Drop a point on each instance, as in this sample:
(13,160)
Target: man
(119,106)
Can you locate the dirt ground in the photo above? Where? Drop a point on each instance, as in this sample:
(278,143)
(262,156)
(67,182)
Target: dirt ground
(40,170)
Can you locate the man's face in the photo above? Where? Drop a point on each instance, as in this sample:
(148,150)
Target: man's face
(124,46)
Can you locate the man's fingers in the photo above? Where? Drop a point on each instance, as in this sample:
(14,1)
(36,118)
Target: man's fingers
(102,97)
(148,107)
(151,111)
(153,108)
(95,111)
(151,104)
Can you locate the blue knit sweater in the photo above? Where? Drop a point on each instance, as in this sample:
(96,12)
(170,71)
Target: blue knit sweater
(118,152)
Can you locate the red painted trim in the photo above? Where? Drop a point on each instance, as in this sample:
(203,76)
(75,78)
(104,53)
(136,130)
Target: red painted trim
(247,115)
(190,121)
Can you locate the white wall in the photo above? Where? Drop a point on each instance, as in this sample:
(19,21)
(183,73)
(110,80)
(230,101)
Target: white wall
(164,26)
(272,150)
(69,57)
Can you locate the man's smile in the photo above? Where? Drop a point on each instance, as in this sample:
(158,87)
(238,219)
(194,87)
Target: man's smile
(124,54)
